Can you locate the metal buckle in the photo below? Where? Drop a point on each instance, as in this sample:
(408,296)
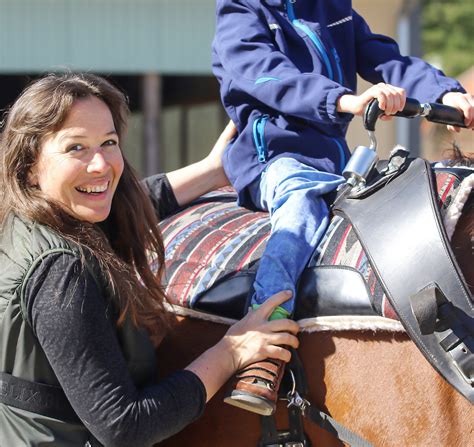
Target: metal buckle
(294,398)
(462,358)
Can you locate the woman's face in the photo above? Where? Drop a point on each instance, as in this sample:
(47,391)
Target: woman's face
(80,165)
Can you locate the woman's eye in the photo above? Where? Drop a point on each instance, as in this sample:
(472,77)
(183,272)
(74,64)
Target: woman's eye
(75,148)
(110,143)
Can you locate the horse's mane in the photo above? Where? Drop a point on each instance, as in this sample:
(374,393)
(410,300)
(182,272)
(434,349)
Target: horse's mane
(455,209)
(456,158)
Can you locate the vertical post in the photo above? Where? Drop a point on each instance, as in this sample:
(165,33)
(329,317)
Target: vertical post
(184,155)
(152,105)
(409,38)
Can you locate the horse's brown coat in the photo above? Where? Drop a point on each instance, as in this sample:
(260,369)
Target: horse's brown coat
(377,384)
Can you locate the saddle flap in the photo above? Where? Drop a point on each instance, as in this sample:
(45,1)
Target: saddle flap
(411,254)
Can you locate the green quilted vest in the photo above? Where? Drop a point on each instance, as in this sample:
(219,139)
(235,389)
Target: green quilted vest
(22,246)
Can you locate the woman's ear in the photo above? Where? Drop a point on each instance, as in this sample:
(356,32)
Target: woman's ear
(33,177)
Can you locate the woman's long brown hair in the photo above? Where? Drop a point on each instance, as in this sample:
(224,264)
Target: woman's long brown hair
(121,243)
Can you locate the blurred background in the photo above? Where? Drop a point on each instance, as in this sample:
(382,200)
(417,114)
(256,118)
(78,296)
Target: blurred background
(158,52)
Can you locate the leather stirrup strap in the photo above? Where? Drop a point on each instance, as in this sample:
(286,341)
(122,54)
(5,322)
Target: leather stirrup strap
(401,231)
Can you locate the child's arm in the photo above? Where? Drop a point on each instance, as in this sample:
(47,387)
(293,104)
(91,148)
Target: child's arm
(392,100)
(245,47)
(379,60)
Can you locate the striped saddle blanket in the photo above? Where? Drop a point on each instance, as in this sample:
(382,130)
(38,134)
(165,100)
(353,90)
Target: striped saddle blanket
(213,248)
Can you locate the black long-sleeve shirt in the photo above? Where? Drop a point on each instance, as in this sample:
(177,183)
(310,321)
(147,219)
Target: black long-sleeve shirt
(75,329)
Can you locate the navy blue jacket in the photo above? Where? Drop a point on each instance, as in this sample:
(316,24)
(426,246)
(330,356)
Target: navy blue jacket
(283,64)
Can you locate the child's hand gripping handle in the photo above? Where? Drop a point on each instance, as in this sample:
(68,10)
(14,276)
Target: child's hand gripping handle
(439,113)
(373,112)
(434,112)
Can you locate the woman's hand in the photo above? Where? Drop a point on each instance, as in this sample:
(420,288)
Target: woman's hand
(255,338)
(391,100)
(194,180)
(214,159)
(463,102)
(249,340)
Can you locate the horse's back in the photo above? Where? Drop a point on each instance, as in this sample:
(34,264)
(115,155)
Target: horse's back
(377,384)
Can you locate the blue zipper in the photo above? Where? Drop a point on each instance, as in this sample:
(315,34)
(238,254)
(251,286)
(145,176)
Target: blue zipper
(317,42)
(338,66)
(259,137)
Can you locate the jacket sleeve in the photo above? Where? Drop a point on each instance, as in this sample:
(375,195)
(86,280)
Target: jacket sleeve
(379,60)
(161,195)
(248,54)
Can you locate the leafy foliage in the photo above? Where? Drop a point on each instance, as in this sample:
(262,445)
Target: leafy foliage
(448,34)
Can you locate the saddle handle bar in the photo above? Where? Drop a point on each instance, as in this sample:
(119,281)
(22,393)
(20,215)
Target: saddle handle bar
(434,112)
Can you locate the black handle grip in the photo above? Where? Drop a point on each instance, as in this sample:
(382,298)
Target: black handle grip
(439,113)
(373,112)
(442,114)
(411,109)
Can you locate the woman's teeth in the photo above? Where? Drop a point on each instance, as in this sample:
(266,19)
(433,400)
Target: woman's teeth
(89,189)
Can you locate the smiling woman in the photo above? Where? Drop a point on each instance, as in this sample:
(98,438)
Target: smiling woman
(61,138)
(81,164)
(80,308)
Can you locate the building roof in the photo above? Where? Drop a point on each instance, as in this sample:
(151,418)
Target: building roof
(108,36)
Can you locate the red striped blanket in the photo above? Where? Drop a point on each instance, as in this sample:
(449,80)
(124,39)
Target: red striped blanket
(213,238)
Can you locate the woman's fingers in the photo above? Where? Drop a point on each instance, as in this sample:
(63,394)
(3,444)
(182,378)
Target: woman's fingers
(224,138)
(266,309)
(227,134)
(284,325)
(230,130)
(255,337)
(279,353)
(283,339)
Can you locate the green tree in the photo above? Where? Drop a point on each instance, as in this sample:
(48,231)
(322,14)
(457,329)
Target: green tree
(448,34)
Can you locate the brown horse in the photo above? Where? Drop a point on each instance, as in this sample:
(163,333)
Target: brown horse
(377,384)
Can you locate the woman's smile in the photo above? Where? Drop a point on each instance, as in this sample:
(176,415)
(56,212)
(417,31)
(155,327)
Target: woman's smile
(94,189)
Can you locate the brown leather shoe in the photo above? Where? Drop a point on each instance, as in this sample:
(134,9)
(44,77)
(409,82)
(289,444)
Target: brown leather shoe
(255,388)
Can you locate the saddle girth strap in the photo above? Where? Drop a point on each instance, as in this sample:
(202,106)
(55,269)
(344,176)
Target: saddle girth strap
(401,230)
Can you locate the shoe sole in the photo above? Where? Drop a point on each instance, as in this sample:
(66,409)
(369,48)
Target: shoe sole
(251,403)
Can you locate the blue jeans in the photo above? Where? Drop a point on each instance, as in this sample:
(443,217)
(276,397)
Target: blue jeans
(291,192)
